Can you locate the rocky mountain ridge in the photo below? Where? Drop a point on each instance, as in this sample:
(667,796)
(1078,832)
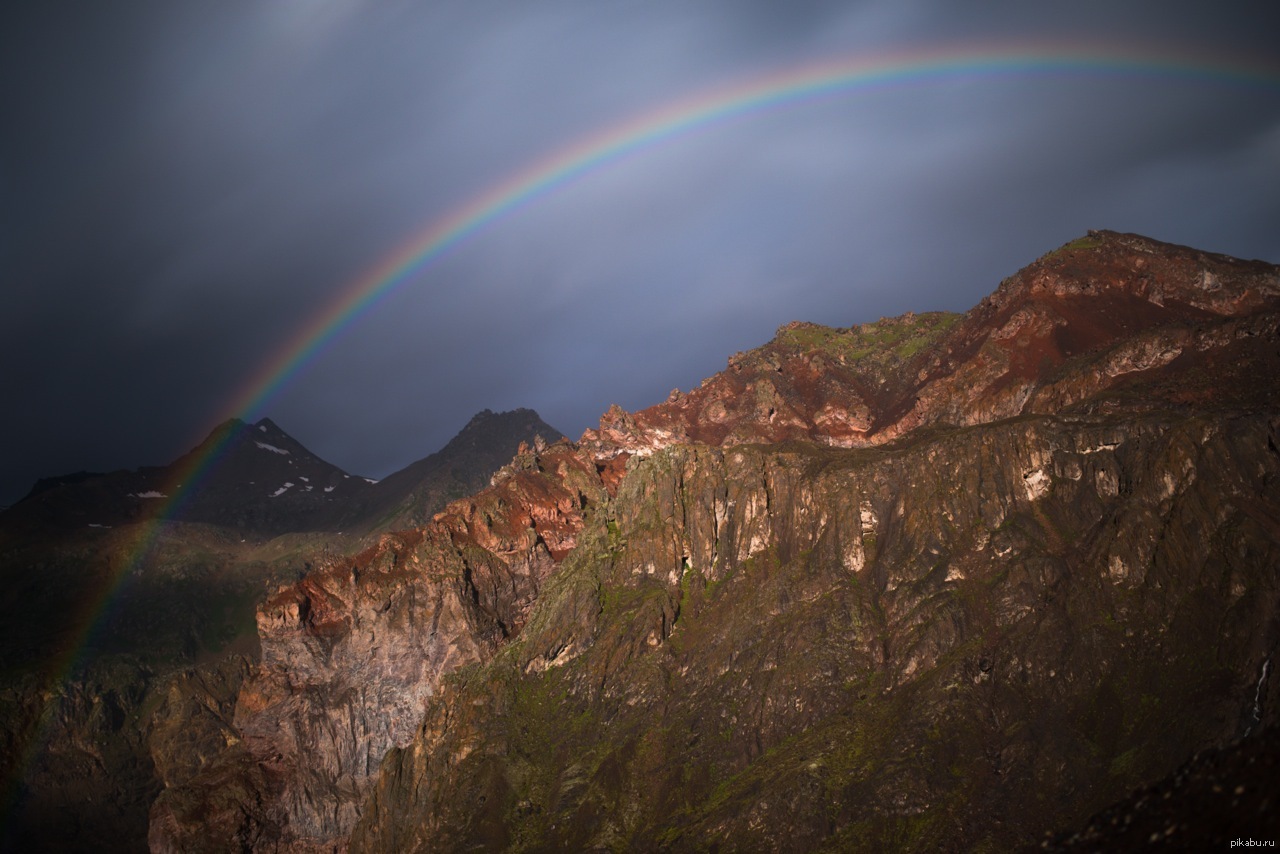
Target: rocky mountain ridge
(1062,330)
(933,582)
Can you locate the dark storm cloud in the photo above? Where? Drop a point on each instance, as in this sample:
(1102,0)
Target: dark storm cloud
(184,186)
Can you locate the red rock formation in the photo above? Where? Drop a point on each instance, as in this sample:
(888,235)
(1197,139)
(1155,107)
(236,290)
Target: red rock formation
(352,652)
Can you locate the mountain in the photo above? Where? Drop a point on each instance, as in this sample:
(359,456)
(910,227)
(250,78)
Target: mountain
(256,479)
(98,721)
(259,481)
(259,496)
(412,495)
(935,582)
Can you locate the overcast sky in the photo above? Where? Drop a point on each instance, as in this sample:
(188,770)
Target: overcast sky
(184,186)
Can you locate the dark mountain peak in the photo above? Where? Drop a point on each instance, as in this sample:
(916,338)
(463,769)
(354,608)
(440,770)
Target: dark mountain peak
(233,437)
(218,435)
(486,423)
(230,425)
(249,477)
(412,495)
(261,479)
(268,427)
(237,429)
(488,416)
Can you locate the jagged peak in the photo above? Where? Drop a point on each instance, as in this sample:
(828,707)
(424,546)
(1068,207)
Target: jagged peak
(266,425)
(236,429)
(486,415)
(221,432)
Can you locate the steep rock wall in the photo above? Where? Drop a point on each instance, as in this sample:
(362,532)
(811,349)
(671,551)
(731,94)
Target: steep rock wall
(353,651)
(962,642)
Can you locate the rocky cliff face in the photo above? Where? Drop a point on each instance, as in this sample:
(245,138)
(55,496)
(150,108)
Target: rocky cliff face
(933,582)
(352,652)
(97,725)
(99,747)
(932,648)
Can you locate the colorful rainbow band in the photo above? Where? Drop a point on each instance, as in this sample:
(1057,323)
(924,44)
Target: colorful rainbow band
(680,118)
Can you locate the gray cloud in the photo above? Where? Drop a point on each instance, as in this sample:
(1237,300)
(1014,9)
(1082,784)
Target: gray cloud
(183,187)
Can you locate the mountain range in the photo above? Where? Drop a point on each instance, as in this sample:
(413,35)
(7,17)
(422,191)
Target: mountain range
(260,481)
(934,582)
(168,586)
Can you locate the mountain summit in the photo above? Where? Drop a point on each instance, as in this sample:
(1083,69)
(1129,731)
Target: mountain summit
(412,495)
(1077,324)
(934,582)
(253,478)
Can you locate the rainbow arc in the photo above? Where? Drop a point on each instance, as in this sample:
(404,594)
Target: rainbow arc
(664,125)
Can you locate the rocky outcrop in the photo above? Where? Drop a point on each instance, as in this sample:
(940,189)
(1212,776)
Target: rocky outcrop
(352,653)
(932,582)
(193,722)
(958,644)
(79,754)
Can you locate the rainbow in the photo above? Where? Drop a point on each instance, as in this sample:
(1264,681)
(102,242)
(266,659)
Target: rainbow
(665,124)
(678,119)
